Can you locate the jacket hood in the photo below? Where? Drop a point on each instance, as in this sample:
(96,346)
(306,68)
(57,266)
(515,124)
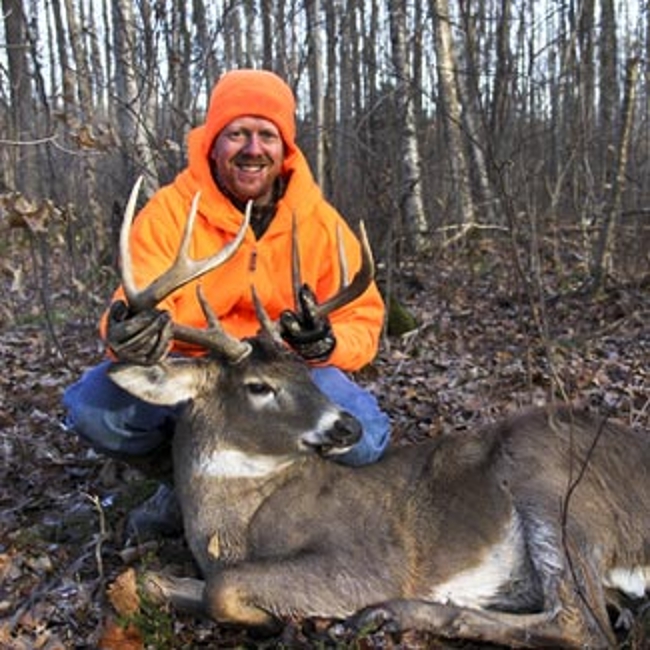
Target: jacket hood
(251,92)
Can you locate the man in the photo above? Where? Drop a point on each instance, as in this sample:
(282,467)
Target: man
(245,150)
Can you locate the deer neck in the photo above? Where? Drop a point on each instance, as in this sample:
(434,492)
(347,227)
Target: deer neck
(220,492)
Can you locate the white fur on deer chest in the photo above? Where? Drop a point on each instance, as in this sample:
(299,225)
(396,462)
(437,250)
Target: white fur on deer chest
(226,487)
(237,464)
(476,586)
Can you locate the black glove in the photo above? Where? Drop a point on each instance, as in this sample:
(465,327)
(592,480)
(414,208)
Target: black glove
(309,335)
(142,338)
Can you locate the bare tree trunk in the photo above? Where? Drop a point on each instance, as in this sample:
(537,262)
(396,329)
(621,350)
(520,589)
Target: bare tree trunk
(502,91)
(317,97)
(210,66)
(21,172)
(250,51)
(107,47)
(345,165)
(268,34)
(83,94)
(179,55)
(62,51)
(586,30)
(482,141)
(84,115)
(329,107)
(280,44)
(609,90)
(98,76)
(132,114)
(417,58)
(410,200)
(450,101)
(355,58)
(605,241)
(232,38)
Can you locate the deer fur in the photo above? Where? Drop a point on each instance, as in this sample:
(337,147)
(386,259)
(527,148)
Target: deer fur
(517,533)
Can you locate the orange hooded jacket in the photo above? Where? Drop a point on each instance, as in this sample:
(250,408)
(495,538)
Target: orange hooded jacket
(264,263)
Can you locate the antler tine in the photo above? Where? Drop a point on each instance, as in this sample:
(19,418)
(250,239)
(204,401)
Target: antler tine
(126,264)
(268,325)
(296,275)
(214,337)
(360,282)
(183,270)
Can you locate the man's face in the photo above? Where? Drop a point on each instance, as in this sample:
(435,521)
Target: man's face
(248,155)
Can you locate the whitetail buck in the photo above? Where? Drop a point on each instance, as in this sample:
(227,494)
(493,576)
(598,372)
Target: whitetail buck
(518,534)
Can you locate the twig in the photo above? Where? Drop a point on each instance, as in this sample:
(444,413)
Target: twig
(102,536)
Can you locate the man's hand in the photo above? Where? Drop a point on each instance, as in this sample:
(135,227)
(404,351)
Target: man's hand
(142,338)
(309,335)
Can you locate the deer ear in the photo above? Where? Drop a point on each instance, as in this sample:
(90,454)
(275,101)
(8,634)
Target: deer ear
(165,384)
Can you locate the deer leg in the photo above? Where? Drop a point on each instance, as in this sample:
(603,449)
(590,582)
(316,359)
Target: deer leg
(188,595)
(185,594)
(574,616)
(543,630)
(257,593)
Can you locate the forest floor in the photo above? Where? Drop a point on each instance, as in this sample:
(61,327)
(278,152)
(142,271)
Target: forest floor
(482,348)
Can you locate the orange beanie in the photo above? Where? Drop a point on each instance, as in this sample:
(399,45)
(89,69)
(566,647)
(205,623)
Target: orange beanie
(252,92)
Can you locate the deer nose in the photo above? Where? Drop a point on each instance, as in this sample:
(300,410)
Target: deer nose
(346,431)
(341,433)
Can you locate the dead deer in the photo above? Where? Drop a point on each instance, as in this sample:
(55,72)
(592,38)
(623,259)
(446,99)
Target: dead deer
(519,533)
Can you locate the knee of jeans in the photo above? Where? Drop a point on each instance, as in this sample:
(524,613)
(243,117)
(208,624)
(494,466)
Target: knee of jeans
(111,433)
(113,421)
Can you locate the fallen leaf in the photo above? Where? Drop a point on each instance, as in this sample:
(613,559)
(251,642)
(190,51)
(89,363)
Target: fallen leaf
(123,594)
(117,637)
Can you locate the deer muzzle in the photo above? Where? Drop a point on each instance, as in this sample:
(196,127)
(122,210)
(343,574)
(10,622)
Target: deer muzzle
(337,438)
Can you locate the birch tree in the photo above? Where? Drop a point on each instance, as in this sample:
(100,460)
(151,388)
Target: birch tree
(605,243)
(410,199)
(132,114)
(83,95)
(451,107)
(316,86)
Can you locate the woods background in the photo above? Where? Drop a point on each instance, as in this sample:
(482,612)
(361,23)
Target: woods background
(506,127)
(498,151)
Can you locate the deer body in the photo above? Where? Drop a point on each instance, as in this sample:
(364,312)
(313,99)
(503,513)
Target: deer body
(464,534)
(515,534)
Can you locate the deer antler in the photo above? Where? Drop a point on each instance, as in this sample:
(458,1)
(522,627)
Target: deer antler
(214,337)
(183,270)
(347,291)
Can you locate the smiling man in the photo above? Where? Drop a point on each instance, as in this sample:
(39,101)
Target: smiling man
(247,157)
(245,150)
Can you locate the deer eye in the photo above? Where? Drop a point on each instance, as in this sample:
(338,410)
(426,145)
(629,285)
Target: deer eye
(259,388)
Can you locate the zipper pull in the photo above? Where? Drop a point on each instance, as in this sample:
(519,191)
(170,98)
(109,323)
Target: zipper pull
(252,263)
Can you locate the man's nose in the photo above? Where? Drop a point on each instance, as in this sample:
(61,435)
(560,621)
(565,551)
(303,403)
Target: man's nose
(253,145)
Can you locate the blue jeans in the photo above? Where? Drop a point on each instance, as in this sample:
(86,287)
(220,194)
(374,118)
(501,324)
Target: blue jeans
(115,422)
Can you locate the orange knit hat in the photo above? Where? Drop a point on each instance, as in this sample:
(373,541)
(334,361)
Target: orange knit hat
(252,92)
